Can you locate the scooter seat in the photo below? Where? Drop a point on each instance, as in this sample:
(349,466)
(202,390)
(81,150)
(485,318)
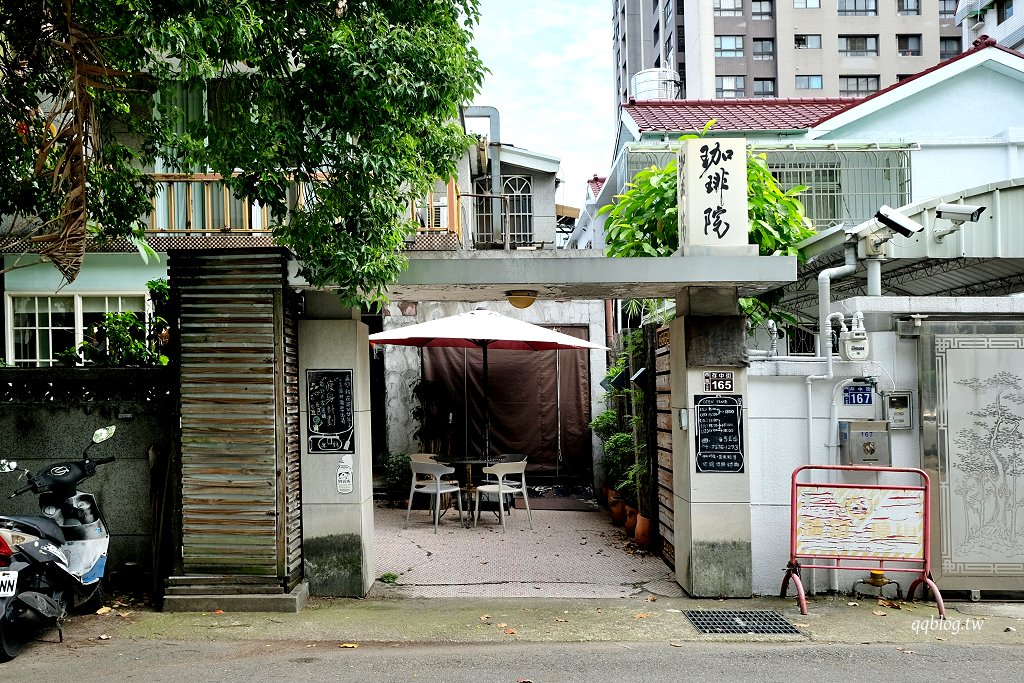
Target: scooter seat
(45,528)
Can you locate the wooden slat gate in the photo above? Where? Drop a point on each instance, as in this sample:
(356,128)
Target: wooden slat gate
(240,493)
(663,398)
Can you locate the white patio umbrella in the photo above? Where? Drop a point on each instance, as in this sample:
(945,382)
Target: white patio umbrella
(482,329)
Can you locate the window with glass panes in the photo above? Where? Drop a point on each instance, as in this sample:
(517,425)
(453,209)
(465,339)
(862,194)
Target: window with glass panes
(947,9)
(909,45)
(858,46)
(727,8)
(908,8)
(518,191)
(728,46)
(808,82)
(1004,10)
(949,47)
(807,41)
(857,86)
(858,8)
(729,87)
(40,327)
(806,4)
(763,48)
(764,87)
(761,9)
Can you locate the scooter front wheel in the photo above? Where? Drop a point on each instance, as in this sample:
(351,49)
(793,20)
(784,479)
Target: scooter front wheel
(12,639)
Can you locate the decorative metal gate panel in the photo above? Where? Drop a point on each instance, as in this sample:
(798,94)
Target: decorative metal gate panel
(240,502)
(972,401)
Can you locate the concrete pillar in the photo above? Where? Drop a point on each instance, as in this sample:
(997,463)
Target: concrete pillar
(337,513)
(711,480)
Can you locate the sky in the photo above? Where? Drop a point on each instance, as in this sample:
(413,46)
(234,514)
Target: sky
(552,82)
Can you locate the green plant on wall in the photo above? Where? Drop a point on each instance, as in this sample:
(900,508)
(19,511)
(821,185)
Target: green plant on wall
(644,221)
(618,454)
(119,340)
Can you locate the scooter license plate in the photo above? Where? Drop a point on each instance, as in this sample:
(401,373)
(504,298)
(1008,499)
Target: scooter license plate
(8,584)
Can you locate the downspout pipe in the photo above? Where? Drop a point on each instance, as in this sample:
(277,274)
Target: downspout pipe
(491,113)
(825,345)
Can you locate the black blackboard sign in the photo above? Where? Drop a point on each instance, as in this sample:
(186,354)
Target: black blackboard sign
(330,422)
(719,421)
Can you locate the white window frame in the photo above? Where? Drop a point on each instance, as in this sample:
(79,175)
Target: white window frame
(518,197)
(806,4)
(809,44)
(728,46)
(738,89)
(78,316)
(809,86)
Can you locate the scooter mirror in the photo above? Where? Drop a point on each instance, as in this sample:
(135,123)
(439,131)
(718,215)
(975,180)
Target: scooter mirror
(103,433)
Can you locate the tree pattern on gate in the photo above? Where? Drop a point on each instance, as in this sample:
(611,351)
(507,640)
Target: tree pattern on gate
(991,461)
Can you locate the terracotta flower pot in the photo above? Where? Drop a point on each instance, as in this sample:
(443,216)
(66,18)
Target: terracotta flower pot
(631,513)
(616,508)
(642,533)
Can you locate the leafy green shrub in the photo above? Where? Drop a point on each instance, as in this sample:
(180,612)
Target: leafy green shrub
(605,424)
(395,475)
(120,340)
(618,453)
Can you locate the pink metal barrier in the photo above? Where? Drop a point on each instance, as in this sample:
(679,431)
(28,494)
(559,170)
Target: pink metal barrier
(862,527)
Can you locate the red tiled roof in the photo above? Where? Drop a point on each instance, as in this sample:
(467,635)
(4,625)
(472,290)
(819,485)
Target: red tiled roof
(596,184)
(762,113)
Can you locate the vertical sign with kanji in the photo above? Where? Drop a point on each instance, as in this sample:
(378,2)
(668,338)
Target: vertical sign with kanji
(713,188)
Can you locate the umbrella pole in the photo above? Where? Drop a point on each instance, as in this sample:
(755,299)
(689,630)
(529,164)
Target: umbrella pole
(487,409)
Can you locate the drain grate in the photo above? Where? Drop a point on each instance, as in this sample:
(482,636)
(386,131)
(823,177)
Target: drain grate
(741,621)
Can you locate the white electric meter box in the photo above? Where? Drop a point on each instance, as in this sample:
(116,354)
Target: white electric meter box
(864,442)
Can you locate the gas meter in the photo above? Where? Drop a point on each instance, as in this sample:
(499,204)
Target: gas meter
(864,442)
(853,343)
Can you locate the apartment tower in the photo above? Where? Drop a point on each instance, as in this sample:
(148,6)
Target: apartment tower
(781,48)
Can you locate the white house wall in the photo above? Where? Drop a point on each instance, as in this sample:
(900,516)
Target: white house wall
(101,273)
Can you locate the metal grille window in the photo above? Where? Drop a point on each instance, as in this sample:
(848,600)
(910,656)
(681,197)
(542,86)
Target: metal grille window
(40,327)
(909,45)
(806,4)
(908,7)
(949,47)
(858,8)
(761,9)
(764,87)
(518,191)
(807,41)
(482,214)
(808,82)
(727,8)
(858,46)
(763,49)
(857,86)
(844,185)
(727,87)
(947,9)
(728,46)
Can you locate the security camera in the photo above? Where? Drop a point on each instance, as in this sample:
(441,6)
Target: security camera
(897,222)
(959,212)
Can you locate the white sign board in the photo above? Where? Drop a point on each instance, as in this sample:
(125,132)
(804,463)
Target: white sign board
(713,189)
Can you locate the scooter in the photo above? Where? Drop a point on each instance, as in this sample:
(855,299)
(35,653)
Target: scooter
(52,563)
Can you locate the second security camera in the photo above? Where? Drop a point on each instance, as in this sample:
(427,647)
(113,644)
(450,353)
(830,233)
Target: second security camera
(897,222)
(959,212)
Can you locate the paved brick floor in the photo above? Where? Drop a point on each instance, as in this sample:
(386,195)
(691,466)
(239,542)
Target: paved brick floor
(568,554)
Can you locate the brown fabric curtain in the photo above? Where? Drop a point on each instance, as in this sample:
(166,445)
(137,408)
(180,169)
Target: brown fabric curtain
(539,403)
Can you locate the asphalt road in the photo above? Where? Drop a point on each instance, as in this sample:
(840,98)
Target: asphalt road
(248,661)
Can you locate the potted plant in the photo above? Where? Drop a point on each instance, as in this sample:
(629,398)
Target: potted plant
(395,476)
(618,449)
(627,489)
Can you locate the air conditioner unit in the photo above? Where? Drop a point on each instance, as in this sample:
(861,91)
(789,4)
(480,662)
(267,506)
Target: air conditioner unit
(433,216)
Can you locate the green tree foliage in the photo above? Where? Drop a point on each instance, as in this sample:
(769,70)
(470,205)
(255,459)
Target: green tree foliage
(358,101)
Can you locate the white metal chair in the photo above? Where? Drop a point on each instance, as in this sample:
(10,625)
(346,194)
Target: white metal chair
(504,487)
(427,477)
